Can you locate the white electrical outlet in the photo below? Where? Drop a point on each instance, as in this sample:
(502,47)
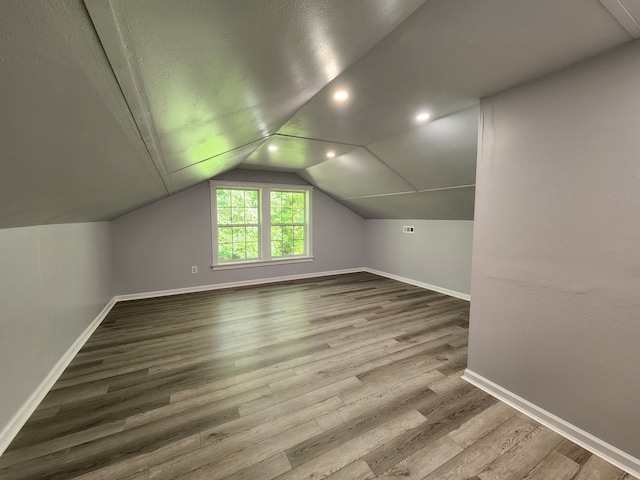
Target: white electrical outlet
(407,229)
(194,269)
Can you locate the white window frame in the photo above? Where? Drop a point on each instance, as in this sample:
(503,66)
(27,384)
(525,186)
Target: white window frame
(264,221)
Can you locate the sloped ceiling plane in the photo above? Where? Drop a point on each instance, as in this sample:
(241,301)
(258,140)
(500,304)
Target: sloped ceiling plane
(112,104)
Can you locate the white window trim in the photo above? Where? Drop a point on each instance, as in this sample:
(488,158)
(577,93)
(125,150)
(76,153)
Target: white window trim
(265,224)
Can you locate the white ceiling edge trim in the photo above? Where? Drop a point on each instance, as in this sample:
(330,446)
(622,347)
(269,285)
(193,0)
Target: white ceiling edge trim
(113,45)
(453,187)
(624,17)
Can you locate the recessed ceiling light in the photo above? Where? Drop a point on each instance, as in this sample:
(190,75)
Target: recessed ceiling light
(331,154)
(341,95)
(421,117)
(272,148)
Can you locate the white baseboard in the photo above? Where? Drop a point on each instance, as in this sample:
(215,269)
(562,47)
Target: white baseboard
(262,281)
(586,440)
(243,283)
(435,288)
(11,429)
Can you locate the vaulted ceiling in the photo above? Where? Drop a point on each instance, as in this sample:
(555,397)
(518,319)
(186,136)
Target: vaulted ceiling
(108,105)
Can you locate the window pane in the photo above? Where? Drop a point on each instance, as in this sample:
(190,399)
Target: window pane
(251,215)
(237,198)
(225,235)
(288,207)
(287,247)
(298,247)
(276,234)
(252,234)
(224,216)
(223,197)
(239,234)
(225,251)
(287,240)
(237,215)
(252,249)
(276,249)
(282,196)
(287,215)
(276,207)
(298,200)
(239,251)
(276,199)
(298,233)
(298,216)
(251,198)
(290,199)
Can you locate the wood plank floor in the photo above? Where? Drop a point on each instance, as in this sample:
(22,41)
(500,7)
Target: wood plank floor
(347,377)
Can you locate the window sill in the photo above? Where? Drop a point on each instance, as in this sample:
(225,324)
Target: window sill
(262,263)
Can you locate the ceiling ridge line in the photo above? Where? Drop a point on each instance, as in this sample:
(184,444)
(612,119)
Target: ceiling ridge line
(218,154)
(158,163)
(319,140)
(391,169)
(453,187)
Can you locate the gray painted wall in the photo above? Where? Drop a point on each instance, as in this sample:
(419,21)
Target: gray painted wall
(155,246)
(556,255)
(437,253)
(55,280)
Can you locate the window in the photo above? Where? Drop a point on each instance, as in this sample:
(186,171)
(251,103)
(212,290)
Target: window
(238,225)
(288,223)
(255,224)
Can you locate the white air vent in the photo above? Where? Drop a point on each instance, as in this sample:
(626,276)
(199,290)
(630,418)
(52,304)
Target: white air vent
(407,229)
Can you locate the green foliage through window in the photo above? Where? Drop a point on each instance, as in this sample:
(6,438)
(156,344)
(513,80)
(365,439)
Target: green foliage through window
(288,220)
(243,236)
(238,224)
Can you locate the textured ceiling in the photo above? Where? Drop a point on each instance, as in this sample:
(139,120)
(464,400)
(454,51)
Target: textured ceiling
(112,104)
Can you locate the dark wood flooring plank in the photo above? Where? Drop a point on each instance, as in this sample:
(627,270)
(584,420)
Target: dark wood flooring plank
(473,459)
(340,434)
(358,470)
(555,466)
(596,468)
(265,470)
(238,435)
(480,425)
(120,446)
(240,460)
(529,451)
(443,417)
(573,452)
(354,448)
(139,464)
(423,461)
